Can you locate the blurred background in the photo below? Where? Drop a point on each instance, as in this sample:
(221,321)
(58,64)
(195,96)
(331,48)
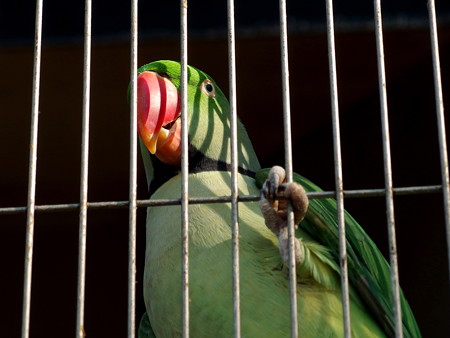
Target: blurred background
(422,250)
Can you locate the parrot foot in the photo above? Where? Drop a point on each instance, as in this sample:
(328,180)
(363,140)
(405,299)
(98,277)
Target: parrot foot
(273,202)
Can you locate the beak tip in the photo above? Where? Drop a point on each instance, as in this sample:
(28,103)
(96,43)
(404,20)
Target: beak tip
(152,144)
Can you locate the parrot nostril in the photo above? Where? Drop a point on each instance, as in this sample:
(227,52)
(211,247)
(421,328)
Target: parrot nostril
(170,124)
(163,75)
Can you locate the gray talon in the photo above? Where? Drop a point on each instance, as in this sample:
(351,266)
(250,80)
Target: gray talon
(273,203)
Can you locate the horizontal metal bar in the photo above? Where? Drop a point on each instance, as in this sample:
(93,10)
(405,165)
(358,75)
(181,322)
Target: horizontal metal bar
(429,189)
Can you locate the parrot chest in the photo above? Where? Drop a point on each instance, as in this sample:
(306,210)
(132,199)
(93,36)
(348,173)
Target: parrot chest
(210,250)
(264,286)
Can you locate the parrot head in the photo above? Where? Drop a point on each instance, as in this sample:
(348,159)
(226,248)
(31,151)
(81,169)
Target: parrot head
(159,123)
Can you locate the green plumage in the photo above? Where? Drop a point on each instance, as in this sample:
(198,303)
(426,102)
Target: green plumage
(264,278)
(369,272)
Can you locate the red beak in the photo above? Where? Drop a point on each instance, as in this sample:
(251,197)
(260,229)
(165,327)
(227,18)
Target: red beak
(158,110)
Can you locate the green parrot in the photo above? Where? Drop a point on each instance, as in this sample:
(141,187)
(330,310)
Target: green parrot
(264,273)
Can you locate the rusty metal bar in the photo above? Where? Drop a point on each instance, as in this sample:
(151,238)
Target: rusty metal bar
(402,191)
(184,171)
(338,169)
(440,119)
(32,172)
(133,173)
(288,164)
(388,171)
(234,171)
(84,171)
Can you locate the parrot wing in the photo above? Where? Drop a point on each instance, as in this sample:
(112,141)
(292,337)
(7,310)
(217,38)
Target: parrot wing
(145,328)
(368,271)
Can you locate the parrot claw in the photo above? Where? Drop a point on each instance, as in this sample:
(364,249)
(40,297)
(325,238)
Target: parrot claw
(270,188)
(276,194)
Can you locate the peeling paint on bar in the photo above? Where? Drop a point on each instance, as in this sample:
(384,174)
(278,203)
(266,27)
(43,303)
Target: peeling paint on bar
(79,333)
(388,171)
(288,164)
(234,171)
(364,193)
(441,120)
(32,172)
(132,205)
(338,169)
(184,171)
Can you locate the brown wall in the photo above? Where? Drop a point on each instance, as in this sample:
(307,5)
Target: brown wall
(420,227)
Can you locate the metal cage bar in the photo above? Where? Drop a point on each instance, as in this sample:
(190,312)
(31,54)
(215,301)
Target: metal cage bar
(133,173)
(31,203)
(338,169)
(234,171)
(359,193)
(440,119)
(288,165)
(84,171)
(184,171)
(388,192)
(388,171)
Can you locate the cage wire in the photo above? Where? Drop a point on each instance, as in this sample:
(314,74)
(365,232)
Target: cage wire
(133,203)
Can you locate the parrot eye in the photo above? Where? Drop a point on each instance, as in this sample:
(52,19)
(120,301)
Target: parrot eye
(208,88)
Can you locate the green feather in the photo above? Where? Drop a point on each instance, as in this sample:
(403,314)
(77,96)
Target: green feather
(145,328)
(369,272)
(264,284)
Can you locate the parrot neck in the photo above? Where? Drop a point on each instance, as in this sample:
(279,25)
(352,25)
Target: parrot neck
(198,162)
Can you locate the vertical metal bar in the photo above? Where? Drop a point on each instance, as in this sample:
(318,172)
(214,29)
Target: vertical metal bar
(184,173)
(234,170)
(288,164)
(338,169)
(31,203)
(84,171)
(133,173)
(440,120)
(388,171)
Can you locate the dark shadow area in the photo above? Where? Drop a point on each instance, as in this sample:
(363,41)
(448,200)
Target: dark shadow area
(415,155)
